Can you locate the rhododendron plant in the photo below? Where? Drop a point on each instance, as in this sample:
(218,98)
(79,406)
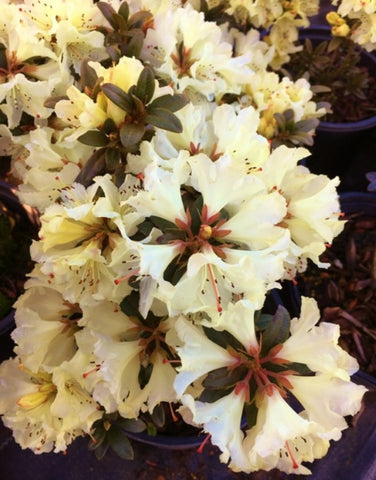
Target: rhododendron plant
(172,210)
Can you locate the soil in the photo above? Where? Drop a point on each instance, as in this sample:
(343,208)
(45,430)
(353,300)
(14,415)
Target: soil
(346,291)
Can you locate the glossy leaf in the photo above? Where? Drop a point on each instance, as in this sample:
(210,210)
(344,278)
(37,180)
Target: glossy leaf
(120,443)
(134,45)
(112,157)
(118,97)
(93,167)
(107,11)
(145,85)
(278,329)
(144,375)
(95,138)
(158,415)
(88,76)
(161,118)
(130,304)
(124,10)
(134,425)
(131,134)
(224,378)
(169,102)
(250,411)
(211,395)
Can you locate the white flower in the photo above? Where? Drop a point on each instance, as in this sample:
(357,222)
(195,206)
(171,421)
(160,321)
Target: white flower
(45,412)
(190,51)
(46,324)
(317,345)
(313,208)
(228,217)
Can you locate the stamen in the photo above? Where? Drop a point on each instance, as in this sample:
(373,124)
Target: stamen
(93,370)
(215,288)
(294,463)
(174,417)
(201,447)
(126,277)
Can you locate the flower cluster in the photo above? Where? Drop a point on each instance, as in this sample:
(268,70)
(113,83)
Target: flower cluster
(356,19)
(143,133)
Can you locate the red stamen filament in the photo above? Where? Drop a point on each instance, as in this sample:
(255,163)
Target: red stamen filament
(215,289)
(294,463)
(93,370)
(174,417)
(201,447)
(126,277)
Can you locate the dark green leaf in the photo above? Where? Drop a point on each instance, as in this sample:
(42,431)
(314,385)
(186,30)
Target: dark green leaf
(144,375)
(95,138)
(250,411)
(169,102)
(151,429)
(130,304)
(211,396)
(278,329)
(112,159)
(223,339)
(101,450)
(118,97)
(109,126)
(224,378)
(144,228)
(145,85)
(263,320)
(138,19)
(131,134)
(162,223)
(119,443)
(99,437)
(124,11)
(158,416)
(107,12)
(161,118)
(88,76)
(134,425)
(93,167)
(51,102)
(118,22)
(134,45)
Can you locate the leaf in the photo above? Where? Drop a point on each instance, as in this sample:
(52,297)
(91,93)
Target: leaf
(130,304)
(112,157)
(109,126)
(131,134)
(134,46)
(118,97)
(211,396)
(120,443)
(162,223)
(101,450)
(95,138)
(158,415)
(107,11)
(134,425)
(93,167)
(169,102)
(223,339)
(139,18)
(224,378)
(145,85)
(263,320)
(278,329)
(144,375)
(251,412)
(161,118)
(51,102)
(88,76)
(124,10)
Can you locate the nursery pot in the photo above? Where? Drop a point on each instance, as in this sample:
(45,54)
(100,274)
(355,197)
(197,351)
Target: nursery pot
(26,220)
(343,149)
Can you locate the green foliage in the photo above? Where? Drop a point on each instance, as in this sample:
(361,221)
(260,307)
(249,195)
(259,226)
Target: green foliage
(338,77)
(110,432)
(291,133)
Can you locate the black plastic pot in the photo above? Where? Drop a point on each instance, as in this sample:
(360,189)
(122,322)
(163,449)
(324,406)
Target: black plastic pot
(27,221)
(344,149)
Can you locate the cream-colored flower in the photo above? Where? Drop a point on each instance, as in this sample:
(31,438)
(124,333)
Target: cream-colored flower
(190,52)
(317,345)
(46,412)
(313,208)
(46,324)
(235,250)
